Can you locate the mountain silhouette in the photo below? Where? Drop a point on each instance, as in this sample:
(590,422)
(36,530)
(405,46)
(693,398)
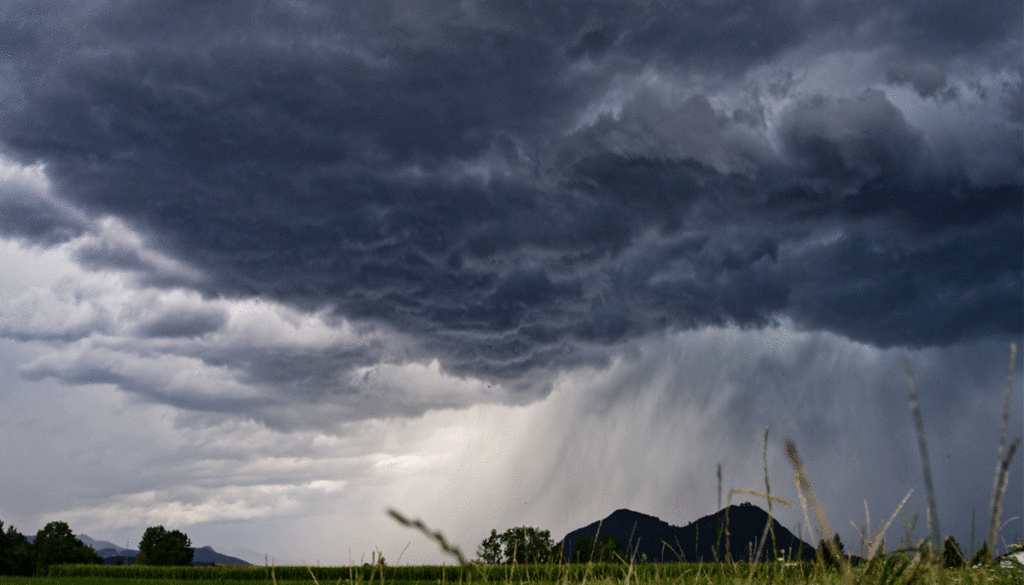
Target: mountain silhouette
(99,545)
(704,540)
(112,554)
(205,555)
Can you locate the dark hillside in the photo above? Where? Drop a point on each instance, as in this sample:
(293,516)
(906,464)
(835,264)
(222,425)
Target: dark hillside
(746,524)
(660,541)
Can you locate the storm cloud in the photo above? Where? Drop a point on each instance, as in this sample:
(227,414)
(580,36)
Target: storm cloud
(433,168)
(318,215)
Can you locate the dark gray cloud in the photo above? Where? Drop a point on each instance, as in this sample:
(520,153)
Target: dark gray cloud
(36,221)
(183,323)
(926,78)
(513,186)
(28,210)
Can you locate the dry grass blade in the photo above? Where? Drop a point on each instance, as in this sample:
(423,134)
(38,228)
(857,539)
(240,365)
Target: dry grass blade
(805,487)
(860,533)
(997,505)
(768,494)
(880,537)
(803,506)
(915,407)
(760,544)
(436,536)
(768,497)
(719,486)
(769,526)
(999,488)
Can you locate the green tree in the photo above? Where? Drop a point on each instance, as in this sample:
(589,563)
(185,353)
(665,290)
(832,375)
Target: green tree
(827,554)
(583,550)
(17,557)
(489,551)
(55,544)
(526,545)
(983,556)
(523,545)
(608,550)
(952,556)
(557,553)
(164,548)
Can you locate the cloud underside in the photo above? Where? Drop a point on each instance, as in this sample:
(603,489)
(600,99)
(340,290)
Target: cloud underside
(513,192)
(645,432)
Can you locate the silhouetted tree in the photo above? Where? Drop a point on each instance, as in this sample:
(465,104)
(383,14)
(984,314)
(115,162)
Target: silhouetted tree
(557,552)
(827,556)
(608,549)
(165,548)
(583,550)
(489,551)
(952,556)
(523,545)
(55,544)
(17,556)
(983,556)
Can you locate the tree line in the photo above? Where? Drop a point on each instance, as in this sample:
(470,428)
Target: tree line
(55,544)
(528,545)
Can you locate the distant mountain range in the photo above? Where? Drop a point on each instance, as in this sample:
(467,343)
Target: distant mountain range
(642,536)
(113,554)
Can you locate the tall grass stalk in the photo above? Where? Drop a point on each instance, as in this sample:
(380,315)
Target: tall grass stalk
(434,535)
(1002,463)
(768,492)
(878,539)
(1002,479)
(804,485)
(719,486)
(769,526)
(718,539)
(915,407)
(803,507)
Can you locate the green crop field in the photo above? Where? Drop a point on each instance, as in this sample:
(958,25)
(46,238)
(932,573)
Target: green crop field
(895,570)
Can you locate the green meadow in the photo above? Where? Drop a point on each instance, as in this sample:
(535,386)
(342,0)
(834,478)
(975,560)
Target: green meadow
(891,569)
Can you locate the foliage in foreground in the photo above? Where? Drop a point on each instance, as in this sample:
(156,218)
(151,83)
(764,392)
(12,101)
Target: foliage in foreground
(894,569)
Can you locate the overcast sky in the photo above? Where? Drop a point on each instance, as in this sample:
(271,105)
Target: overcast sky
(269,268)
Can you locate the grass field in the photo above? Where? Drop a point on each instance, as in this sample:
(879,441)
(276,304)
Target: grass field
(896,571)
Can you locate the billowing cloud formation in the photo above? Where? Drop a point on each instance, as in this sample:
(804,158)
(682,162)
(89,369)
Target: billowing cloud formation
(28,209)
(509,186)
(251,358)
